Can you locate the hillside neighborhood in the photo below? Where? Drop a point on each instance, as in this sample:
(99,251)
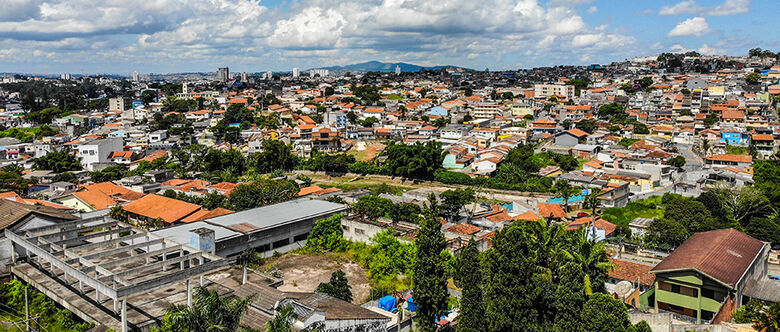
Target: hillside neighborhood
(396,200)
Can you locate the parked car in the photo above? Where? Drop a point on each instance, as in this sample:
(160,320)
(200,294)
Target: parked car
(582,214)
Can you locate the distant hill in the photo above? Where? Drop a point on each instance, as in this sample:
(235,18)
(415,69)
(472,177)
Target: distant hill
(383,67)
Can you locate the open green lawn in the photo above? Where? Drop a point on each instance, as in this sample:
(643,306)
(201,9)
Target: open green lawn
(394,97)
(645,208)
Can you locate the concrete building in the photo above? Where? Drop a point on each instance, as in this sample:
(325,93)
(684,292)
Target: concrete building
(98,151)
(296,72)
(713,270)
(223,74)
(118,104)
(279,227)
(547,90)
(136,76)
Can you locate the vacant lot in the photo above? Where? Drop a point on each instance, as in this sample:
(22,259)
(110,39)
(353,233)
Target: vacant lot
(365,151)
(302,273)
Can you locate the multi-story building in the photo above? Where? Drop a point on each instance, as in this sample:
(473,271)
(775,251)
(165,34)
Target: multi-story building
(712,272)
(223,74)
(98,151)
(546,90)
(296,72)
(118,104)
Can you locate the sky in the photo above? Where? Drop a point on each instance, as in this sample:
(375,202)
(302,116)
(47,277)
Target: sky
(169,36)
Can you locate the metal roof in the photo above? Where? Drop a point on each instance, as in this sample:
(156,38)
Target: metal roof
(279,214)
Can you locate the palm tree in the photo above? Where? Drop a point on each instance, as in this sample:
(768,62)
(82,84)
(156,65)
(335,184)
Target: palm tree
(282,320)
(593,202)
(566,191)
(209,312)
(594,260)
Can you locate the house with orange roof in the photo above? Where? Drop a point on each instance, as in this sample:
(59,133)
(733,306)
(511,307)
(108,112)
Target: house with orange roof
(98,196)
(764,144)
(742,162)
(151,207)
(598,230)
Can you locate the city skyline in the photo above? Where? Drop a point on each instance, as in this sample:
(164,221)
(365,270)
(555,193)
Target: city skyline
(252,36)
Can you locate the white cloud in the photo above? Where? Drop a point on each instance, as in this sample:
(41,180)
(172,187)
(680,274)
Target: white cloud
(314,28)
(685,7)
(593,9)
(727,7)
(696,26)
(730,7)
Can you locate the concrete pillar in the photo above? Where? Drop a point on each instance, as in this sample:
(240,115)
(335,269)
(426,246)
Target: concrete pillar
(124,315)
(81,287)
(201,281)
(189,293)
(243,275)
(181,264)
(13,252)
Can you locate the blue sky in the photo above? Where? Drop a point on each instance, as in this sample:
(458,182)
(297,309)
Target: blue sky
(162,36)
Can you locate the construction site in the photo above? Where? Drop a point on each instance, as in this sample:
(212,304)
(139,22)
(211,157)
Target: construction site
(115,275)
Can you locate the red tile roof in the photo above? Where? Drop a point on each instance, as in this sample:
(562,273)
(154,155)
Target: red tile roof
(631,271)
(554,210)
(731,157)
(465,229)
(168,209)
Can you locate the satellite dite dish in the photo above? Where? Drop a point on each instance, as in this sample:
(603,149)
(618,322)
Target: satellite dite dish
(623,288)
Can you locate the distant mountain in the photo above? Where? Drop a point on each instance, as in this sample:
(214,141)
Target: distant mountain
(383,67)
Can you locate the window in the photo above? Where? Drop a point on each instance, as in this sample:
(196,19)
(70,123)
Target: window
(359,231)
(301,237)
(708,293)
(281,243)
(675,288)
(707,315)
(345,228)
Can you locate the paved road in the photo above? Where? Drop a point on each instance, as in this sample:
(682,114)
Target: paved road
(692,161)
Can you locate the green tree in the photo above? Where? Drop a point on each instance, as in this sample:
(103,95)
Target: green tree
(58,162)
(275,155)
(430,278)
(769,320)
(642,326)
(327,235)
(209,312)
(569,298)
(611,110)
(110,173)
(371,206)
(472,310)
(404,212)
(453,201)
(338,286)
(565,191)
(752,78)
(508,271)
(604,313)
(749,312)
(262,192)
(677,162)
(586,125)
(282,321)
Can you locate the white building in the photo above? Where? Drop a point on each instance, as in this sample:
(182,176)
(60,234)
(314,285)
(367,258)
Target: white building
(551,89)
(136,76)
(65,76)
(321,72)
(98,151)
(296,72)
(398,70)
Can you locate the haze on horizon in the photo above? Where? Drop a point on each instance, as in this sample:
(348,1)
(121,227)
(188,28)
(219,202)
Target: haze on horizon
(164,36)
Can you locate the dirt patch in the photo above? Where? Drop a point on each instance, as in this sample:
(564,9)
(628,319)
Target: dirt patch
(303,273)
(366,151)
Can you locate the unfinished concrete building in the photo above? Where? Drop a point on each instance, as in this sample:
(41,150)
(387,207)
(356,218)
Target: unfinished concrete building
(111,273)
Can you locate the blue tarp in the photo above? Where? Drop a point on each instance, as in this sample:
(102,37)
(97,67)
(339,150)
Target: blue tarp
(388,303)
(573,199)
(412,305)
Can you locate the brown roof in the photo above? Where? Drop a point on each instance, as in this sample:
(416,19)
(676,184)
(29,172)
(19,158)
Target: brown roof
(631,271)
(466,229)
(528,216)
(13,212)
(723,255)
(168,209)
(96,199)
